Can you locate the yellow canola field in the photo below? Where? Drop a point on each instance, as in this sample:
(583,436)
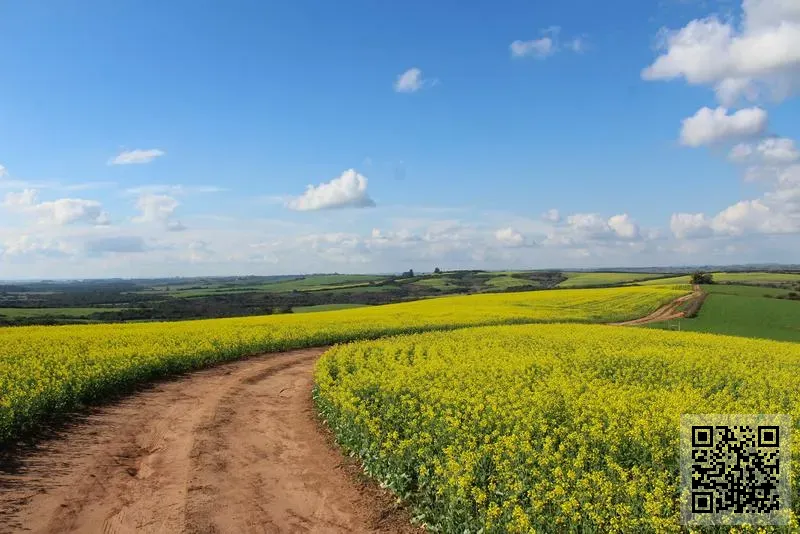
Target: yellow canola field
(47,370)
(545,428)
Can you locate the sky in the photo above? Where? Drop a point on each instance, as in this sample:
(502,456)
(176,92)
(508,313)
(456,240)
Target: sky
(197,138)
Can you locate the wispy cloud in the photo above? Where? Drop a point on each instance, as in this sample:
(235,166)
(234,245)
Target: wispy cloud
(137,156)
(174,189)
(412,81)
(547,45)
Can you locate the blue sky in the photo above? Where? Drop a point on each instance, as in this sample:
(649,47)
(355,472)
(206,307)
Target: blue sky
(178,138)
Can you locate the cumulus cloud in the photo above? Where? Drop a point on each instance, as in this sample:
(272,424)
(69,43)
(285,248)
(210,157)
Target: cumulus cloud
(63,211)
(411,81)
(155,208)
(509,237)
(22,200)
(137,156)
(736,60)
(590,223)
(579,229)
(545,46)
(158,209)
(624,226)
(690,225)
(349,190)
(777,212)
(710,126)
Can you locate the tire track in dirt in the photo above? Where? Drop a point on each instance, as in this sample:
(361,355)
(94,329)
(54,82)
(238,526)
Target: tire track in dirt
(666,312)
(236,448)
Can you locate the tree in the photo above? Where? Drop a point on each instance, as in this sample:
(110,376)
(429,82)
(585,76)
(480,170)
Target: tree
(699,277)
(437,271)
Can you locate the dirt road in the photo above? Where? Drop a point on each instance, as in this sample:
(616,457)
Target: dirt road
(666,312)
(236,448)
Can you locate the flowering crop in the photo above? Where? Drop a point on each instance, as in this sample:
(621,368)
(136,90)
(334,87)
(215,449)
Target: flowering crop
(46,370)
(546,428)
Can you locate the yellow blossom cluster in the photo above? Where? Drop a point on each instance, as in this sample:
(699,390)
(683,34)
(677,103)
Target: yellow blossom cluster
(545,427)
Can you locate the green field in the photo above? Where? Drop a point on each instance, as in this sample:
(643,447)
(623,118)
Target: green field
(308,283)
(744,311)
(740,278)
(575,279)
(437,281)
(325,307)
(54,312)
(503,282)
(744,291)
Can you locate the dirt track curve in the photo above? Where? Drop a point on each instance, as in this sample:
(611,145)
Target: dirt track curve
(236,448)
(667,311)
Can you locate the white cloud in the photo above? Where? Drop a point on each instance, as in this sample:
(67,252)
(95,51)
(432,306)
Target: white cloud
(158,209)
(537,48)
(709,126)
(22,200)
(3,172)
(348,190)
(590,223)
(59,212)
(552,215)
(155,208)
(778,150)
(411,81)
(509,237)
(580,229)
(28,245)
(137,156)
(547,45)
(769,156)
(624,226)
(777,212)
(772,160)
(690,225)
(764,51)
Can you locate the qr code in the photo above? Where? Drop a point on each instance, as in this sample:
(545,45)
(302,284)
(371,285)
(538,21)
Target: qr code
(735,469)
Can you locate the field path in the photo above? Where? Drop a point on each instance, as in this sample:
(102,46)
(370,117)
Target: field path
(236,448)
(666,312)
